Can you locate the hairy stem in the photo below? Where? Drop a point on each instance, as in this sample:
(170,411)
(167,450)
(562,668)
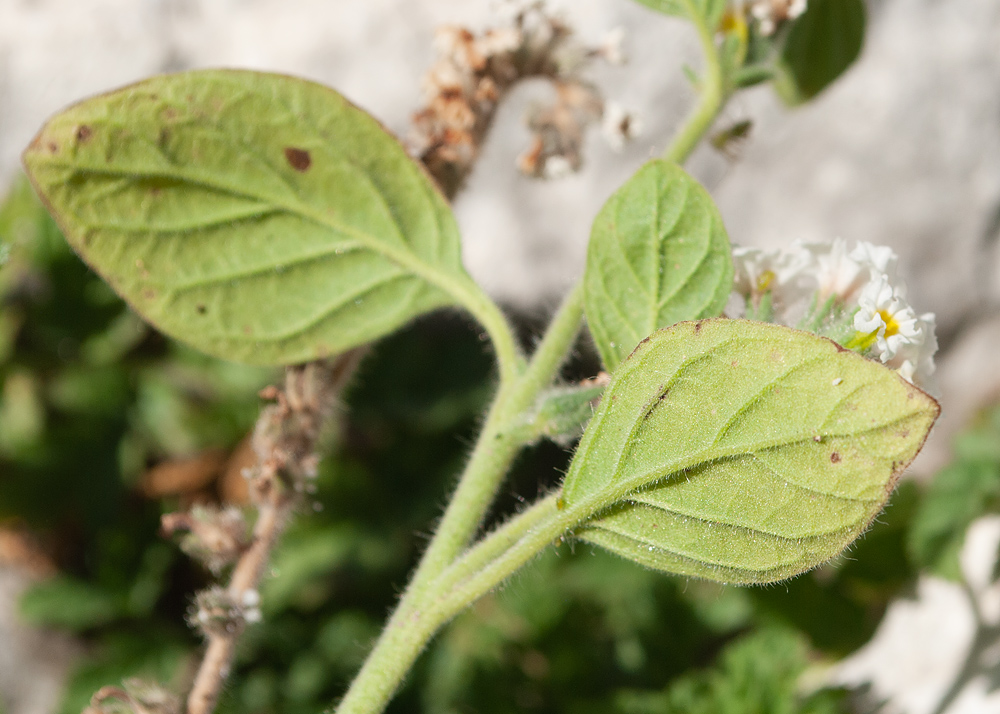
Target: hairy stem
(445,583)
(509,358)
(409,628)
(712,95)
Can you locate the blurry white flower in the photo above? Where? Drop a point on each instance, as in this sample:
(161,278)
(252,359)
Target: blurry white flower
(557,167)
(757,271)
(915,360)
(611,47)
(619,126)
(853,297)
(844,274)
(771,13)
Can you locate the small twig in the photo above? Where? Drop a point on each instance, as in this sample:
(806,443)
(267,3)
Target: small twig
(285,440)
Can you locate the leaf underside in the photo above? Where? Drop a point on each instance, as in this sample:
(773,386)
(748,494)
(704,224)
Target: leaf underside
(658,254)
(821,45)
(743,452)
(259,217)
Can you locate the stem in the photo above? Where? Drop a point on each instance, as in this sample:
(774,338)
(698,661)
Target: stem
(528,537)
(712,95)
(414,622)
(480,306)
(218,657)
(499,442)
(442,586)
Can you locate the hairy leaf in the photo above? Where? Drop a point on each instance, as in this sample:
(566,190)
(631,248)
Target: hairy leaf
(259,217)
(710,10)
(820,46)
(743,452)
(658,254)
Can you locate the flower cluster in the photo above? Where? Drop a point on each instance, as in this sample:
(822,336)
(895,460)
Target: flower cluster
(852,296)
(771,13)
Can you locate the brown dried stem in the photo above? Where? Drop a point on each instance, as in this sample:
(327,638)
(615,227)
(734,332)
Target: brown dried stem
(285,441)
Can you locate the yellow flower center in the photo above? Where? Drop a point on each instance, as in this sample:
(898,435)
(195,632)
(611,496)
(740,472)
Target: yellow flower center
(765,280)
(891,326)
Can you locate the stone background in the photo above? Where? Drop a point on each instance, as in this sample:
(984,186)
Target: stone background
(904,151)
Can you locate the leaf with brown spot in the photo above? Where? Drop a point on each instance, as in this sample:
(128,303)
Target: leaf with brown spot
(712,459)
(298,159)
(270,215)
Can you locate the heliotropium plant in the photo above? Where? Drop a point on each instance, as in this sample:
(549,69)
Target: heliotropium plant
(265,219)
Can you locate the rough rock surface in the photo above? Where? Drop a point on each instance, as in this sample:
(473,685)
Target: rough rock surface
(904,151)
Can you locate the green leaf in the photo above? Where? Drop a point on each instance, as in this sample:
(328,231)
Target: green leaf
(820,46)
(258,217)
(742,452)
(561,413)
(708,11)
(754,674)
(658,254)
(66,602)
(965,490)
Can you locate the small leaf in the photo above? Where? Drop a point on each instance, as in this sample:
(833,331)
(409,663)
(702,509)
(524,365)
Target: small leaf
(658,254)
(667,7)
(709,11)
(820,46)
(561,413)
(742,452)
(258,217)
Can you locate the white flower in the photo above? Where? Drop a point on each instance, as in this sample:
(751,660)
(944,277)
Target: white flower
(915,360)
(758,271)
(845,274)
(619,126)
(611,48)
(771,13)
(867,296)
(884,314)
(557,167)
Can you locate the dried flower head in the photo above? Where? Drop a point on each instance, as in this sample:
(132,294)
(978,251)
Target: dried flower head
(771,13)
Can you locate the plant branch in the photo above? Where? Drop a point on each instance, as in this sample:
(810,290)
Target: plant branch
(442,585)
(418,619)
(271,520)
(510,360)
(411,625)
(475,71)
(285,440)
(712,94)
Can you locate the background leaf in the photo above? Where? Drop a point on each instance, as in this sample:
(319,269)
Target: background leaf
(743,452)
(963,491)
(658,255)
(710,10)
(258,217)
(756,674)
(820,46)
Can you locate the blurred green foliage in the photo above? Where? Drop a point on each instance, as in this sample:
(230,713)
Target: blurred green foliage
(965,490)
(819,48)
(91,398)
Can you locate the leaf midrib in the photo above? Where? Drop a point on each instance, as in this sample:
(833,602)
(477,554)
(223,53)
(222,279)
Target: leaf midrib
(405,259)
